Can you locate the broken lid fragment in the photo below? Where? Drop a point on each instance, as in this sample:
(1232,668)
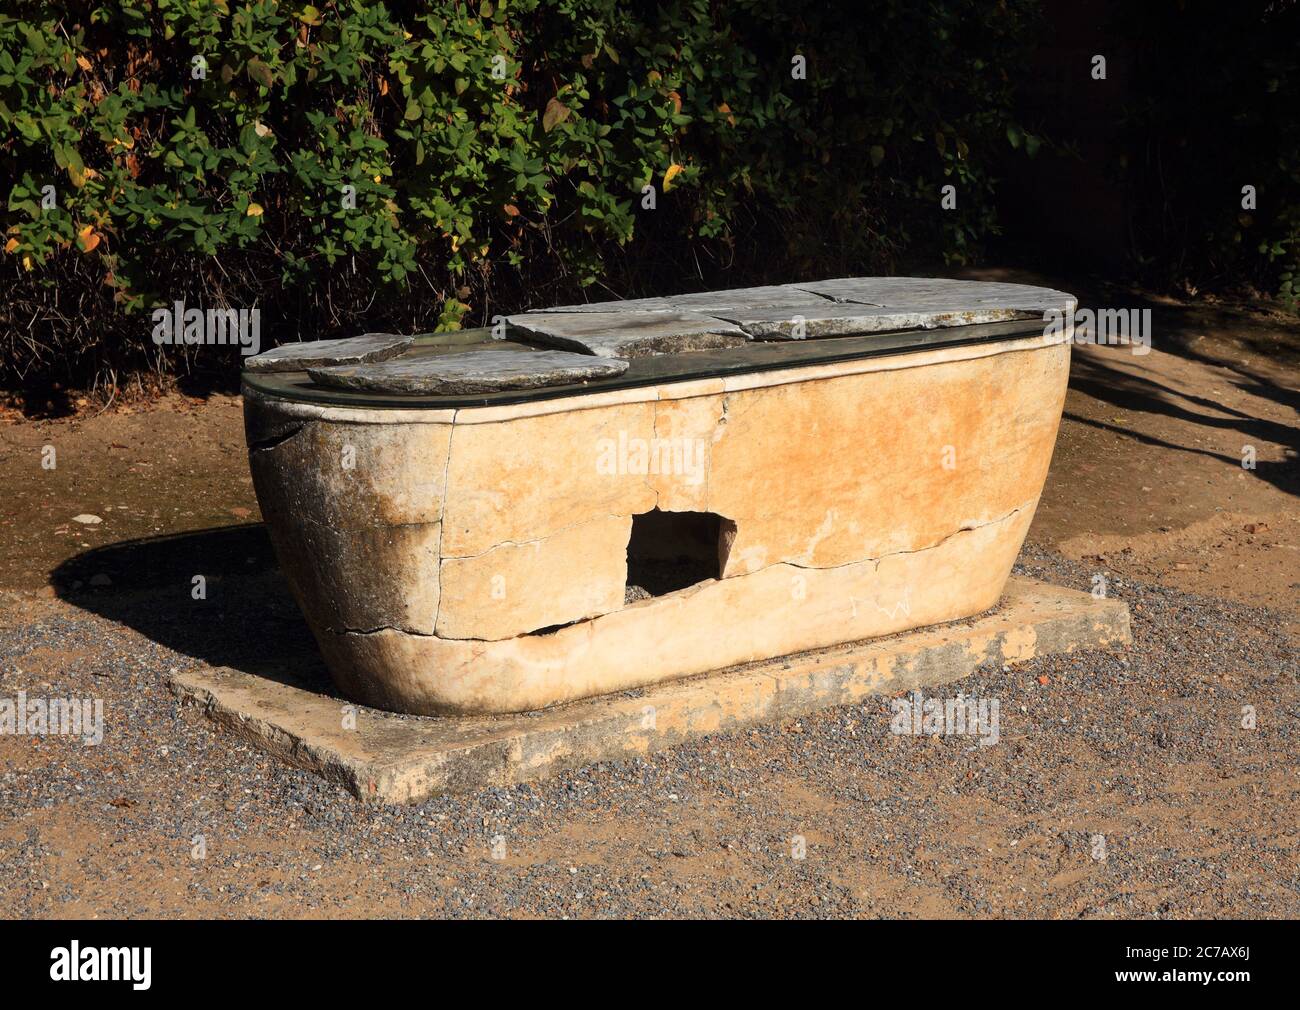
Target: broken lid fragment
(348,351)
(851,320)
(629,334)
(488,370)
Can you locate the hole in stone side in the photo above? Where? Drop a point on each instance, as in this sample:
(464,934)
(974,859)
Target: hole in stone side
(668,551)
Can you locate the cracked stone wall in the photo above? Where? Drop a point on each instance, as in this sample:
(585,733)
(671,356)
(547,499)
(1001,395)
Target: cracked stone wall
(355,513)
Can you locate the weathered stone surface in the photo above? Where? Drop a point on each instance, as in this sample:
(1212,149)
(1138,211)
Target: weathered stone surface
(514,589)
(894,461)
(728,303)
(941,294)
(531,477)
(348,476)
(386,760)
(629,334)
(830,319)
(685,432)
(849,468)
(354,512)
(362,579)
(715,624)
(705,302)
(878,304)
(479,371)
(348,351)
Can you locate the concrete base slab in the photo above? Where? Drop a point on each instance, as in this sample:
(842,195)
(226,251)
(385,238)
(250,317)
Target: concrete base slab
(389,758)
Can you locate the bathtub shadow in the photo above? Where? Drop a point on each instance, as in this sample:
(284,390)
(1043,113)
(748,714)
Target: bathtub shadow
(244,617)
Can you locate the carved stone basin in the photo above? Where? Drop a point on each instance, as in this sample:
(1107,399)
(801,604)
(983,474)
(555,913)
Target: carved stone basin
(625,493)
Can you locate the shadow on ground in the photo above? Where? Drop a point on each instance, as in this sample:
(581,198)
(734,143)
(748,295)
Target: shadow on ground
(1140,394)
(245,618)
(1256,346)
(1238,332)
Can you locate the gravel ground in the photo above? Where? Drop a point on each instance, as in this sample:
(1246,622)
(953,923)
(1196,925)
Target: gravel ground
(1123,785)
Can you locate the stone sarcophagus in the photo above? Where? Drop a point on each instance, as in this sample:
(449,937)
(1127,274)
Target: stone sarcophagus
(627,492)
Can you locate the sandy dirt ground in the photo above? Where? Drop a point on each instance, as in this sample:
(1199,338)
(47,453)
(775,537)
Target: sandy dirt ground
(1144,750)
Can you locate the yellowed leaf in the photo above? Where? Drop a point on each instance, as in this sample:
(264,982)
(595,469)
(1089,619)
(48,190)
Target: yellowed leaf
(87,238)
(556,112)
(254,210)
(84,63)
(670,175)
(11,245)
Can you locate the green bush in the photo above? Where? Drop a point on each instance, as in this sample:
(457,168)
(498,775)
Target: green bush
(497,155)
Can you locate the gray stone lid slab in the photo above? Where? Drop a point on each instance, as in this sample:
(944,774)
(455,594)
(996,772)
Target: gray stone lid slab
(941,295)
(348,351)
(844,306)
(849,319)
(478,371)
(616,331)
(629,334)
(706,302)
